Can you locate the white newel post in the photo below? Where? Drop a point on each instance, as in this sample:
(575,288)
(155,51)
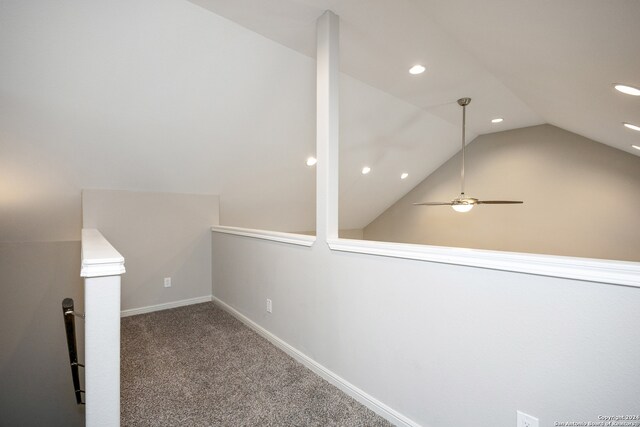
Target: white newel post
(102,266)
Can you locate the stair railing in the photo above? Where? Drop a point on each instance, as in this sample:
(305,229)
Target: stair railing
(70,327)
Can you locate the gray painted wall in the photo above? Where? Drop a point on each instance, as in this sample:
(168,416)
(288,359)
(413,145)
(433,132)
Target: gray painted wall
(160,235)
(447,346)
(350,233)
(35,377)
(581,198)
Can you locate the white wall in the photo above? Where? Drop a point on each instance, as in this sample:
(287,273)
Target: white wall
(442,343)
(160,235)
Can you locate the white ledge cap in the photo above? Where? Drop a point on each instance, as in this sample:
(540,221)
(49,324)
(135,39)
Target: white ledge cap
(99,258)
(275,236)
(626,273)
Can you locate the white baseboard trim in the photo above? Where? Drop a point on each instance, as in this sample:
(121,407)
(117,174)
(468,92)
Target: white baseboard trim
(370,402)
(165,306)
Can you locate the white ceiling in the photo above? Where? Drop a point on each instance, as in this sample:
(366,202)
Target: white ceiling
(529,61)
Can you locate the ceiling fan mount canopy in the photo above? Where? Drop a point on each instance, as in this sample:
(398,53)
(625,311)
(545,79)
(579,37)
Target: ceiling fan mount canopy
(463,203)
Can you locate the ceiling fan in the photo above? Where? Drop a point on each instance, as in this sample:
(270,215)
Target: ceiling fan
(463,203)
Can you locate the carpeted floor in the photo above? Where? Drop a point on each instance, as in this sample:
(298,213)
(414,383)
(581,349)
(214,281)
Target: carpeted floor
(199,366)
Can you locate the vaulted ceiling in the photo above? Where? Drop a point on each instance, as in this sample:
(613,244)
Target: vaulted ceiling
(529,61)
(526,61)
(216,96)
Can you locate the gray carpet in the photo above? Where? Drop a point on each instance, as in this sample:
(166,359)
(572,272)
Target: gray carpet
(199,366)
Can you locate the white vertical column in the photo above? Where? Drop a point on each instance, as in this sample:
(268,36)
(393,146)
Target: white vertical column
(327,131)
(102,266)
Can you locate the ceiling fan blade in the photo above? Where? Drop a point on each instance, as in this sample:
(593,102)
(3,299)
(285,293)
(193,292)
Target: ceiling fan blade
(499,202)
(433,204)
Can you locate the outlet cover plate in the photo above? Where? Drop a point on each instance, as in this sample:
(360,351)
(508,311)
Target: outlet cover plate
(526,420)
(269,306)
(167,282)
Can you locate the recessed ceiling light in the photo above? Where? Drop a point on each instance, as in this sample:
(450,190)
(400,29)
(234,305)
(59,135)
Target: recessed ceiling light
(629,90)
(311,161)
(632,126)
(366,170)
(497,120)
(404,175)
(636,147)
(417,69)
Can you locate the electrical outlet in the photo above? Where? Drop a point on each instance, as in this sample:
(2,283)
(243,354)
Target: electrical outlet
(526,420)
(167,282)
(269,306)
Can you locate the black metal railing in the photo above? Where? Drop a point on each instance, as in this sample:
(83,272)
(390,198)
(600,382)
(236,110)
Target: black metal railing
(70,327)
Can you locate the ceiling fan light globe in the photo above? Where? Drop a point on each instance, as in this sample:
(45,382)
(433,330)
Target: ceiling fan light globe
(462,207)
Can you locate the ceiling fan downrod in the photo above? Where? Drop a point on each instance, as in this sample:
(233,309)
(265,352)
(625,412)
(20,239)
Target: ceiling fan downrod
(463,102)
(463,203)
